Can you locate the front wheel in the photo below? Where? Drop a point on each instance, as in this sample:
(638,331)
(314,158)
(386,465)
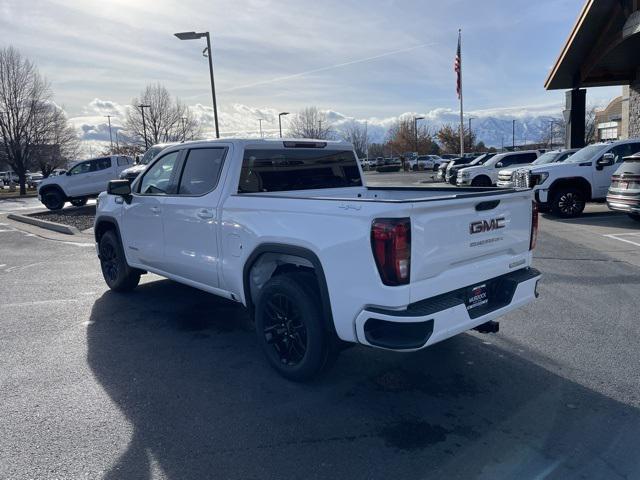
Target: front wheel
(119,276)
(79,202)
(289,325)
(568,203)
(481,182)
(634,216)
(53,200)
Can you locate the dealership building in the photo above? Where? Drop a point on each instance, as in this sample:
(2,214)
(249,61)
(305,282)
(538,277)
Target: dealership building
(603,49)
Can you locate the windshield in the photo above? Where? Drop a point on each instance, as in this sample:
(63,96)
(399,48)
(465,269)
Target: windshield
(150,155)
(548,157)
(586,154)
(480,160)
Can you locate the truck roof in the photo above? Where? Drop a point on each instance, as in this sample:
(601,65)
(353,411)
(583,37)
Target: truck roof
(275,142)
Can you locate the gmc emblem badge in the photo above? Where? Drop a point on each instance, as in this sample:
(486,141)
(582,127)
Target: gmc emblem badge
(486,226)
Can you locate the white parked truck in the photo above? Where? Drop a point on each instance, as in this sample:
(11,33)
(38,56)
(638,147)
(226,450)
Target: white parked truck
(506,177)
(84,180)
(485,174)
(564,188)
(289,229)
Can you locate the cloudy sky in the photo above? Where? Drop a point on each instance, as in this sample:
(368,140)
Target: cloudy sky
(364,59)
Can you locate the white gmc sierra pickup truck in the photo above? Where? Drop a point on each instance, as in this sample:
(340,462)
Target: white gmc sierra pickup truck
(289,229)
(564,188)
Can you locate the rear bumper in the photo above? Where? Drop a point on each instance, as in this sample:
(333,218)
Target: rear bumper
(624,204)
(435,319)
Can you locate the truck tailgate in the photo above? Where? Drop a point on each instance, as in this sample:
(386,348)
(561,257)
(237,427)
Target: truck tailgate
(473,239)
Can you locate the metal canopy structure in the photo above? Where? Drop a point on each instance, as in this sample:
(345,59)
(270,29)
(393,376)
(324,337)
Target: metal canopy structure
(603,48)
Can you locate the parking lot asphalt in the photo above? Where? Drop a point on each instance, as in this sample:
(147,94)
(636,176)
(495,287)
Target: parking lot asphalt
(169,382)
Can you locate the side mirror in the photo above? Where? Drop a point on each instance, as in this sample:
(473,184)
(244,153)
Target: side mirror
(499,165)
(68,173)
(606,160)
(122,188)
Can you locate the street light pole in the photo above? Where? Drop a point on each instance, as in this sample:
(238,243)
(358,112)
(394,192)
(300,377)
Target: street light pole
(110,137)
(280,121)
(260,121)
(415,131)
(144,125)
(195,36)
(514,134)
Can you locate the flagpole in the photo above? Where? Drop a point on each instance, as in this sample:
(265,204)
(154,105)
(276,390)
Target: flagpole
(461,109)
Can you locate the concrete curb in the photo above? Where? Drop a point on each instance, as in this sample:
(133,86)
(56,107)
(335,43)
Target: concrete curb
(56,227)
(18,197)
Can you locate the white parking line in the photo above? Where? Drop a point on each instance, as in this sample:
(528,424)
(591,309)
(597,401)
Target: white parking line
(40,302)
(634,236)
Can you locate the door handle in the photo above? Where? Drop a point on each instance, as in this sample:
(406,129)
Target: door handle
(155,210)
(205,214)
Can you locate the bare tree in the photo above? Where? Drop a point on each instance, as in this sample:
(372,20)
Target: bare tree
(25,108)
(554,135)
(165,120)
(311,123)
(57,142)
(357,135)
(401,137)
(376,150)
(449,139)
(590,129)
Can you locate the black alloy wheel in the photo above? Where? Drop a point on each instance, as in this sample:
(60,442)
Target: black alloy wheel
(569,203)
(115,270)
(284,330)
(290,323)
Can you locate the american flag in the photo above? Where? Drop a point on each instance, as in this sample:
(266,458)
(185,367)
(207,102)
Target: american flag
(457,66)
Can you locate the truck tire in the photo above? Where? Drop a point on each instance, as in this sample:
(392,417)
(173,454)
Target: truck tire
(79,202)
(120,277)
(53,199)
(634,216)
(568,202)
(289,326)
(481,181)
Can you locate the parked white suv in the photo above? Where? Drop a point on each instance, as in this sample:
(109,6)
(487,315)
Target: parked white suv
(564,188)
(506,177)
(288,229)
(84,180)
(486,174)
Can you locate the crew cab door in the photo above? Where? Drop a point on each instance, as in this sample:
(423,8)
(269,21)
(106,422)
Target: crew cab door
(105,171)
(122,163)
(77,181)
(191,216)
(602,175)
(142,217)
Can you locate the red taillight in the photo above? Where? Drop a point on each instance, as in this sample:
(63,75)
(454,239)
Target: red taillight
(534,225)
(391,245)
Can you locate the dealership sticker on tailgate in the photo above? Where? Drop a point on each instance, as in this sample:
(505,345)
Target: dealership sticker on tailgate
(477,296)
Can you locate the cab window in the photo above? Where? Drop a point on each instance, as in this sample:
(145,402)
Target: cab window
(201,171)
(103,163)
(157,180)
(624,150)
(83,167)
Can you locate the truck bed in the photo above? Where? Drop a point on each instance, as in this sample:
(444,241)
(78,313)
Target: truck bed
(390,194)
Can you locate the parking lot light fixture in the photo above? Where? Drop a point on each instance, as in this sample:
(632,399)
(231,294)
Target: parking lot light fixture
(280,115)
(209,55)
